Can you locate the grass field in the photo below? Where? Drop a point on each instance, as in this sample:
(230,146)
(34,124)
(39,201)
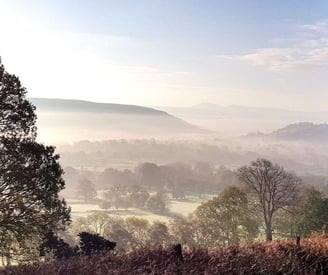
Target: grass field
(181,207)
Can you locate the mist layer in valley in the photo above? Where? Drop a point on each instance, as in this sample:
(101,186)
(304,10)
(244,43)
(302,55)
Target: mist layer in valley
(95,137)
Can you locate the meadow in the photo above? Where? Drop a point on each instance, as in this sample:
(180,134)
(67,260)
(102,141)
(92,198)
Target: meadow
(175,207)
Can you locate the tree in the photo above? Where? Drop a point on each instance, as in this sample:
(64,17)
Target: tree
(156,203)
(159,233)
(56,246)
(138,196)
(17,117)
(138,228)
(30,175)
(226,219)
(93,243)
(313,214)
(86,189)
(271,187)
(117,196)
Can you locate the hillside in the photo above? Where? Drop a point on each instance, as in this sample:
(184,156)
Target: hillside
(72,120)
(302,131)
(239,120)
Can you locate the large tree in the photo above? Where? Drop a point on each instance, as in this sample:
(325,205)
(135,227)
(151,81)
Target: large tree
(272,188)
(225,219)
(30,175)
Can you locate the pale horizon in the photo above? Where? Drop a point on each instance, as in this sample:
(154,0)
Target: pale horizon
(179,54)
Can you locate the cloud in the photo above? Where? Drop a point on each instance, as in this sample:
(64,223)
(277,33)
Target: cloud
(309,51)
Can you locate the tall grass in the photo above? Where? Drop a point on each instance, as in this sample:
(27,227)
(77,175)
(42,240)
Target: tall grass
(278,257)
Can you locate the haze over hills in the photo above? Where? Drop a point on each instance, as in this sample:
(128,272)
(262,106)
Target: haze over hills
(71,120)
(303,131)
(239,120)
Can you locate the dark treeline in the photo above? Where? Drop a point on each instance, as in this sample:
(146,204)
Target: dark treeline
(302,158)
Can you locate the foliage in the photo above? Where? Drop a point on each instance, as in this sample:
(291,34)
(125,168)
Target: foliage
(278,257)
(86,189)
(159,233)
(30,175)
(17,117)
(225,219)
(56,246)
(156,203)
(313,214)
(93,243)
(271,187)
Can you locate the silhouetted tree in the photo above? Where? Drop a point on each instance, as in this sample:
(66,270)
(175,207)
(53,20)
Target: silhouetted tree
(93,243)
(57,246)
(30,175)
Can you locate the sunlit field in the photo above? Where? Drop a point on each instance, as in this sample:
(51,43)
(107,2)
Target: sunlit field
(176,207)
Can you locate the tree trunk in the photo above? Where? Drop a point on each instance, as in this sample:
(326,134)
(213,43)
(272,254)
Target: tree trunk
(269,234)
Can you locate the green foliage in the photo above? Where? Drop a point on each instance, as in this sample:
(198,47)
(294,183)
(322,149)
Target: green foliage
(313,214)
(225,219)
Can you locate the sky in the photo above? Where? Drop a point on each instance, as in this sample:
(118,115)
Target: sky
(170,52)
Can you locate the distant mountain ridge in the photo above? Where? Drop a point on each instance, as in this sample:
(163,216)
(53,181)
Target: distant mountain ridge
(302,131)
(72,105)
(72,120)
(221,111)
(238,120)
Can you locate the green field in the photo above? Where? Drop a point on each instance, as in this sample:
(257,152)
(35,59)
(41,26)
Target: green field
(180,207)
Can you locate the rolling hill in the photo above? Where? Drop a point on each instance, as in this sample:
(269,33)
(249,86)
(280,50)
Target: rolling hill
(302,131)
(71,120)
(239,120)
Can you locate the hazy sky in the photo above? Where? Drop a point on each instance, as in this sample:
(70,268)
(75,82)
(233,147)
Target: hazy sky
(170,52)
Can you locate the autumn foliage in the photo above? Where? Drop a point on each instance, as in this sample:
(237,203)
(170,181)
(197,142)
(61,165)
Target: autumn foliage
(279,257)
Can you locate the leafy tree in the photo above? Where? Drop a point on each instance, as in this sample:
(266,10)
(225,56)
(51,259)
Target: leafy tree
(30,175)
(93,243)
(139,229)
(17,117)
(138,196)
(105,205)
(98,221)
(226,219)
(159,233)
(86,189)
(55,245)
(117,196)
(117,231)
(271,187)
(313,214)
(183,231)
(156,203)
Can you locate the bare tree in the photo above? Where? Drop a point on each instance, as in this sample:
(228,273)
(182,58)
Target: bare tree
(272,187)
